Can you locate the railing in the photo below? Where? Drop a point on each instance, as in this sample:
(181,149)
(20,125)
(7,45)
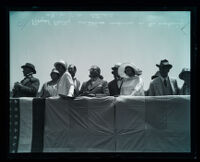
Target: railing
(107,124)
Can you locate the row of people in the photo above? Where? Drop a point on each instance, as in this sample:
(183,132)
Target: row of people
(127,81)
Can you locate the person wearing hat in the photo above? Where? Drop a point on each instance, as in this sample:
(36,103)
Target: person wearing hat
(132,82)
(185,76)
(72,70)
(163,84)
(96,86)
(115,85)
(65,86)
(49,89)
(29,86)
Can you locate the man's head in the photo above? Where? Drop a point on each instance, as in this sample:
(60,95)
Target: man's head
(72,70)
(94,71)
(185,75)
(164,67)
(28,68)
(61,66)
(115,70)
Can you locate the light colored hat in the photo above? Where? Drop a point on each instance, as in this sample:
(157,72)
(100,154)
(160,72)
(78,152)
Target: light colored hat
(55,71)
(184,70)
(116,66)
(61,62)
(122,69)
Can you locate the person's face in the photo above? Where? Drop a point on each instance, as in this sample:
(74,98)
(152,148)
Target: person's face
(26,70)
(129,71)
(93,73)
(72,70)
(54,76)
(164,70)
(60,68)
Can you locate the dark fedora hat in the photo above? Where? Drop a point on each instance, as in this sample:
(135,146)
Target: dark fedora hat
(164,63)
(31,66)
(183,72)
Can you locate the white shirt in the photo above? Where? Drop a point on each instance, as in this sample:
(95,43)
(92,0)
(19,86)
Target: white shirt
(66,85)
(132,86)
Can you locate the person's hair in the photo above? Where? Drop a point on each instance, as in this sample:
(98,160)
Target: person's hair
(100,76)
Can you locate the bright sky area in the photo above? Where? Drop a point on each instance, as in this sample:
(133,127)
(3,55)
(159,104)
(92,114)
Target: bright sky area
(98,38)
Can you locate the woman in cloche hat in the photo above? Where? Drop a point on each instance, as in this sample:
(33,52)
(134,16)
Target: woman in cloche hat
(49,89)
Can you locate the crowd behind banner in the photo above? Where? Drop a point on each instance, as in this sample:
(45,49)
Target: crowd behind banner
(127,81)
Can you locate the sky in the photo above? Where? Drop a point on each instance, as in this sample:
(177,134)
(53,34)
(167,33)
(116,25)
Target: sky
(101,38)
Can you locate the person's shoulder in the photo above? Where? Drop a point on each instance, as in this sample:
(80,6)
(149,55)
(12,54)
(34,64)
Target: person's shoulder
(33,79)
(155,80)
(112,81)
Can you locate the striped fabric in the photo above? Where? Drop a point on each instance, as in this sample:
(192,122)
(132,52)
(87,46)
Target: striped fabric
(107,124)
(26,124)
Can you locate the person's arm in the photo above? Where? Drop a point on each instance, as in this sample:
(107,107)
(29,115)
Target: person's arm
(138,88)
(32,89)
(105,90)
(71,86)
(151,90)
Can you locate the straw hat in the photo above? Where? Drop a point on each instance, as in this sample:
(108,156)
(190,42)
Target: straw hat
(122,69)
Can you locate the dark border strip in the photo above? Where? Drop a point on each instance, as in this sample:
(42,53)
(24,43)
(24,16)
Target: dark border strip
(14,126)
(38,124)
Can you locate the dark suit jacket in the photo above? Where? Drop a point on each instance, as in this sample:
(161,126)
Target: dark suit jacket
(113,88)
(29,89)
(100,87)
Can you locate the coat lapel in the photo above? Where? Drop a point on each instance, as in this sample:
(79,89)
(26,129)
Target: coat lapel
(172,85)
(96,83)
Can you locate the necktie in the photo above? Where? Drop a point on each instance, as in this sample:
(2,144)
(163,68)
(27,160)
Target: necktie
(165,82)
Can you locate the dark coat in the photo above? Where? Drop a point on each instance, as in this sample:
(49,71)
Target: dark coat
(100,87)
(113,88)
(30,86)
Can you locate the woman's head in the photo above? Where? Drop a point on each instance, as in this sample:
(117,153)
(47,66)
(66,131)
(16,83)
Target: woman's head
(129,71)
(95,71)
(55,74)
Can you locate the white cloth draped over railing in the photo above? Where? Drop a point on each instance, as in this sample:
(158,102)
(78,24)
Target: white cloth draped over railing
(107,124)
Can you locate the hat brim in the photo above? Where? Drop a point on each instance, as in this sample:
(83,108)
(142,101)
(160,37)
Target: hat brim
(121,70)
(168,65)
(34,71)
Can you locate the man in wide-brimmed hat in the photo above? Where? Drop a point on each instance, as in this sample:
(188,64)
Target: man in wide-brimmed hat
(29,86)
(115,85)
(65,83)
(185,76)
(163,84)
